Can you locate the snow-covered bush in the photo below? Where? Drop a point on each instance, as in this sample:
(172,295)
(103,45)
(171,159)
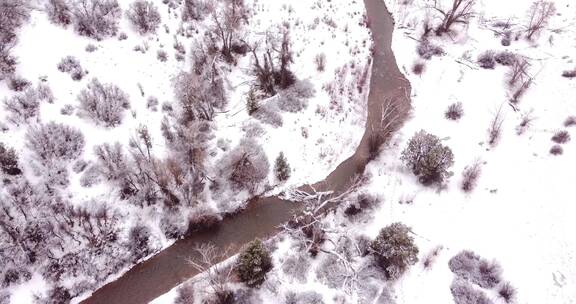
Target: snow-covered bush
(507,292)
(253,263)
(428,159)
(296,266)
(332,273)
(570,121)
(196,9)
(185,294)
(469,266)
(23,107)
(561,137)
(173,225)
(505,58)
(71,65)
(486,60)
(295,98)
(427,50)
(395,250)
(198,95)
(454,111)
(162,55)
(55,141)
(96,18)
(268,113)
(139,241)
(306,297)
(144,16)
(464,293)
(246,166)
(470,177)
(556,150)
(112,163)
(540,13)
(59,12)
(9,161)
(13,14)
(320,62)
(418,68)
(7,63)
(103,103)
(281,168)
(13,276)
(56,295)
(17,83)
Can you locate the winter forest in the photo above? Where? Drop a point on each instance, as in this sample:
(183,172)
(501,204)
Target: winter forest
(289,152)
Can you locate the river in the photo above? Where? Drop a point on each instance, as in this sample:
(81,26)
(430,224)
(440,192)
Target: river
(148,280)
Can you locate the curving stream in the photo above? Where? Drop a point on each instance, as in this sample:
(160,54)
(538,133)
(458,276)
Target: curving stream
(261,218)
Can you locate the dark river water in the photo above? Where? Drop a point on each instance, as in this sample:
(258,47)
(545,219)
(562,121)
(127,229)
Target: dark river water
(147,280)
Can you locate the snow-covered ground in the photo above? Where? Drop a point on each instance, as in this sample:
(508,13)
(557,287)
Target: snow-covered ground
(314,140)
(521,211)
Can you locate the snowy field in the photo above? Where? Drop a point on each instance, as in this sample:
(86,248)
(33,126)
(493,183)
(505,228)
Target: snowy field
(520,212)
(315,137)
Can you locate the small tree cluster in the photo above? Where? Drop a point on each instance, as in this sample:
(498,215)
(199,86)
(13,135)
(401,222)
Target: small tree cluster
(144,16)
(103,103)
(459,13)
(96,18)
(395,250)
(253,264)
(428,159)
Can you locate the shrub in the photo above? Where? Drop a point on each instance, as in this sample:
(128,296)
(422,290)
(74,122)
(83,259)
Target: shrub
(561,137)
(469,266)
(570,121)
(246,166)
(569,74)
(268,113)
(395,250)
(507,292)
(90,48)
(418,68)
(162,55)
(464,293)
(195,10)
(320,62)
(470,177)
(58,295)
(7,64)
(185,294)
(282,168)
(296,266)
(428,159)
(556,150)
(96,18)
(59,12)
(295,98)
(144,16)
(55,141)
(454,112)
(67,109)
(495,129)
(9,161)
(138,238)
(486,60)
(306,297)
(427,50)
(71,65)
(103,103)
(22,107)
(18,84)
(253,264)
(505,58)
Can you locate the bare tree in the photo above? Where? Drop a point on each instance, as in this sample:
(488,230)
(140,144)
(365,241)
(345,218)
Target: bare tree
(96,18)
(208,259)
(103,103)
(228,21)
(460,12)
(144,16)
(539,14)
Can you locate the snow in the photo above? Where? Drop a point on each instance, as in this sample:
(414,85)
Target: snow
(521,211)
(314,140)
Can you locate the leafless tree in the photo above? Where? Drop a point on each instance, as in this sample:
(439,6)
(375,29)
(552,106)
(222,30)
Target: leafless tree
(518,72)
(103,103)
(96,18)
(207,259)
(144,16)
(228,21)
(539,14)
(460,12)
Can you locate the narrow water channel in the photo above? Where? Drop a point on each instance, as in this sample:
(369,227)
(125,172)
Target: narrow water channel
(167,269)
